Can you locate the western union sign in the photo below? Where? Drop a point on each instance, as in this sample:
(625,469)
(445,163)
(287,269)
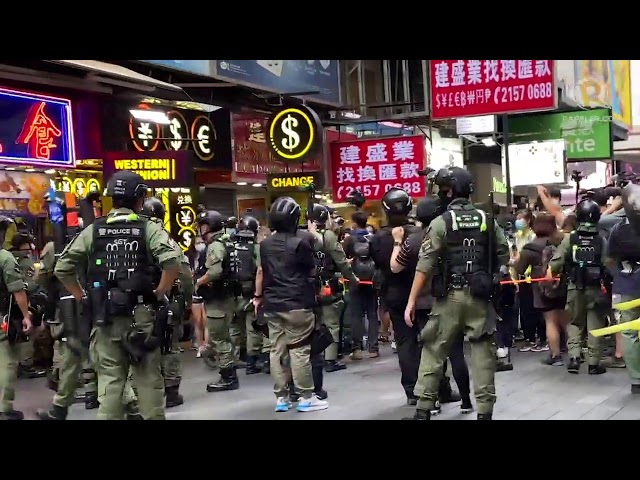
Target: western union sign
(292,181)
(149,168)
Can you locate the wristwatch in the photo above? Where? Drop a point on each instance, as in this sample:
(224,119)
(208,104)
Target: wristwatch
(397,244)
(255,295)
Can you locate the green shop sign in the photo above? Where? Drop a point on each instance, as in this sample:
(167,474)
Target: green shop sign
(587,133)
(498,186)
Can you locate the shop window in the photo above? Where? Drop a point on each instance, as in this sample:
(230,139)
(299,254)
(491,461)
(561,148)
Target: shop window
(416,85)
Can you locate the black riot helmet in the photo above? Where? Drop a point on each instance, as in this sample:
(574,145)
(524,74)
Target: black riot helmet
(397,205)
(232,222)
(427,209)
(588,211)
(126,184)
(456,179)
(22,238)
(249,223)
(319,214)
(153,208)
(214,220)
(356,198)
(284,215)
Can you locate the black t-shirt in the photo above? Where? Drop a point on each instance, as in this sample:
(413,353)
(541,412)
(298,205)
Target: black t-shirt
(288,264)
(408,258)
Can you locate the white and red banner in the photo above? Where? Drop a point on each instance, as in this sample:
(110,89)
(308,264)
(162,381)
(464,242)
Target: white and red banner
(375,166)
(464,88)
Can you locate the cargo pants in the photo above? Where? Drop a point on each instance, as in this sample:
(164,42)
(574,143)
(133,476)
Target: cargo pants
(330,317)
(631,341)
(459,313)
(589,309)
(171,368)
(257,343)
(220,314)
(238,331)
(9,359)
(113,365)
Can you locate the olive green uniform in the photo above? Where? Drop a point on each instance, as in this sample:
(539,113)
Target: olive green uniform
(9,354)
(220,311)
(589,308)
(458,312)
(110,357)
(28,272)
(330,313)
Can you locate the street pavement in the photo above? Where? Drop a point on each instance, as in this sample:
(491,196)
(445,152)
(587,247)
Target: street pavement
(370,390)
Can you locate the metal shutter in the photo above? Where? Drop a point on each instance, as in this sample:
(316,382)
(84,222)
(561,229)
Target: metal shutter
(220,199)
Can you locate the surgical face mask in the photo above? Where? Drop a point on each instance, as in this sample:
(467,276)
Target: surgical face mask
(200,247)
(520,224)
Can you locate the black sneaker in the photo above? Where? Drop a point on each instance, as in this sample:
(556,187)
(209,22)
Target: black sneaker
(553,361)
(12,415)
(635,389)
(485,416)
(437,409)
(597,369)
(466,407)
(574,365)
(504,367)
(321,394)
(412,401)
(334,366)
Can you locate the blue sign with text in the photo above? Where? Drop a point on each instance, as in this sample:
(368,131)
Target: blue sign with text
(285,76)
(201,67)
(35,130)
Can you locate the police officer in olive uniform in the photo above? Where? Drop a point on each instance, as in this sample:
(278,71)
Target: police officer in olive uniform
(180,300)
(459,238)
(580,256)
(258,345)
(330,262)
(14,325)
(215,287)
(116,254)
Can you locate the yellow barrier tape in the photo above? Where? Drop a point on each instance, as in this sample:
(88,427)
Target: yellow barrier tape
(621,327)
(627,305)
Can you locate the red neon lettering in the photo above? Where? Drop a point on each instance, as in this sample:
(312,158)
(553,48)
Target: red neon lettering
(1,148)
(39,132)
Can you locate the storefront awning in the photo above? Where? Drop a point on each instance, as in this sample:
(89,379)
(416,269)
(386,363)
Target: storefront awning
(108,73)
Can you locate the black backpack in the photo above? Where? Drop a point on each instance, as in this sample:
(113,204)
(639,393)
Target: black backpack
(552,289)
(363,265)
(243,264)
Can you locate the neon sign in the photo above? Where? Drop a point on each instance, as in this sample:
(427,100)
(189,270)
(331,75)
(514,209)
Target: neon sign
(36,130)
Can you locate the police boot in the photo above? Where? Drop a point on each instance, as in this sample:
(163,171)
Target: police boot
(228,381)
(318,380)
(131,412)
(252,365)
(420,415)
(597,369)
(446,393)
(485,416)
(266,363)
(574,365)
(91,401)
(12,415)
(55,412)
(174,398)
(334,366)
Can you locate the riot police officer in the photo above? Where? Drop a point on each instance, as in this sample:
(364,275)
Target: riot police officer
(180,301)
(331,262)
(14,325)
(471,252)
(394,288)
(580,256)
(248,258)
(288,264)
(215,287)
(117,254)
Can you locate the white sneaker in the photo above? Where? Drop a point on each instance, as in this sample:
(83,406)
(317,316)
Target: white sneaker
(394,349)
(503,352)
(312,404)
(283,404)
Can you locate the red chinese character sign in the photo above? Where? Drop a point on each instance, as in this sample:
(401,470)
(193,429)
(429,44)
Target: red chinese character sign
(463,88)
(36,130)
(376,166)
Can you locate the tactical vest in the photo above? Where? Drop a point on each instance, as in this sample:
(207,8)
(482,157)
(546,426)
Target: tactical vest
(586,268)
(325,266)
(467,242)
(245,263)
(120,258)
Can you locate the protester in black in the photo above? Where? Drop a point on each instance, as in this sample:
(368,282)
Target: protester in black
(405,257)
(363,299)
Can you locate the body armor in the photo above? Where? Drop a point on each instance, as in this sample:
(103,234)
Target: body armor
(586,259)
(467,242)
(325,266)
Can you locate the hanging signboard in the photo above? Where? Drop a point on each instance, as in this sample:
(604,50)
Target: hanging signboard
(294,133)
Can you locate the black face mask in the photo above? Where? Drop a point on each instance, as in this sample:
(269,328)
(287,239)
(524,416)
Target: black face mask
(445,200)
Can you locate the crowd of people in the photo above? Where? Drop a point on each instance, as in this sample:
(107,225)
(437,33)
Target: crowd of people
(293,302)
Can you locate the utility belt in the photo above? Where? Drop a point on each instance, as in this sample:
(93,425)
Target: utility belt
(589,277)
(220,290)
(145,337)
(481,284)
(328,290)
